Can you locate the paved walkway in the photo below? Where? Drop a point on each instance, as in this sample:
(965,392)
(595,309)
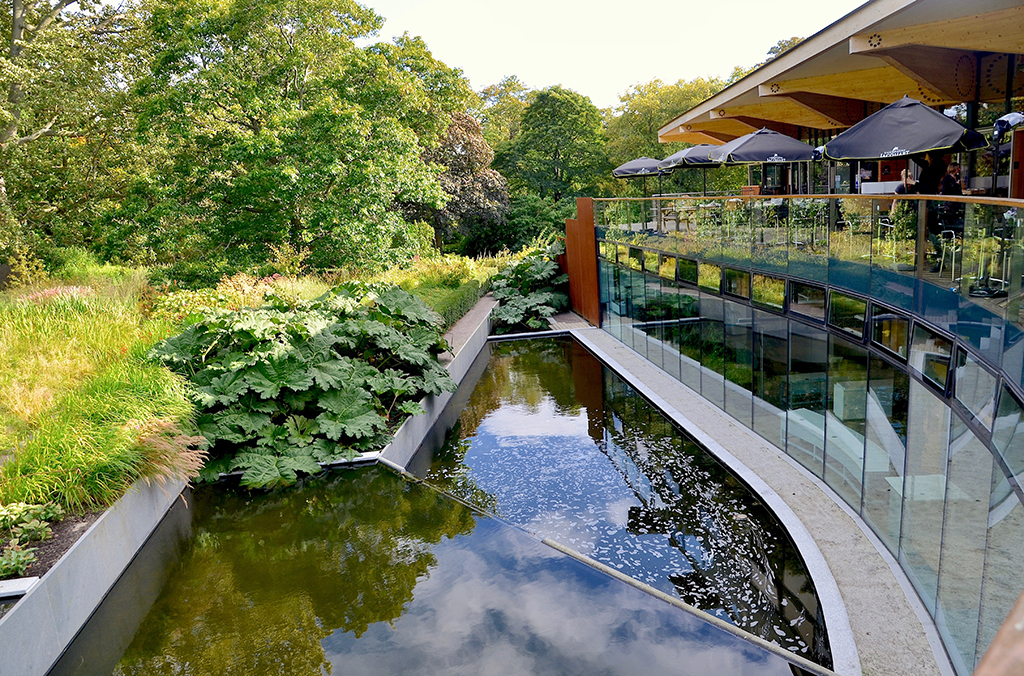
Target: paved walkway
(884,613)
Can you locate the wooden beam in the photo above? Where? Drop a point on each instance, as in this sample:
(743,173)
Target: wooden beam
(715,138)
(881,85)
(952,73)
(839,111)
(1001,31)
(776,109)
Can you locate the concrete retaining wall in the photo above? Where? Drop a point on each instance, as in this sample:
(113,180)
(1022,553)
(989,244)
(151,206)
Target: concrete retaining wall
(34,633)
(467,338)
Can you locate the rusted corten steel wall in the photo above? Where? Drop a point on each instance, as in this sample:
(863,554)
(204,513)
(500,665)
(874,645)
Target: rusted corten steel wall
(581,260)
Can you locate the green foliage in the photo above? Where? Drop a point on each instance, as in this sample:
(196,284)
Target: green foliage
(284,387)
(530,217)
(18,513)
(452,304)
(560,149)
(502,111)
(527,292)
(15,560)
(30,531)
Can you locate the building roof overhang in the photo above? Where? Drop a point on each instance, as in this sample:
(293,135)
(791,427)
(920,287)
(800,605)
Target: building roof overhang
(937,51)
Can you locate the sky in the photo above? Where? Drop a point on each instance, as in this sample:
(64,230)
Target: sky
(601,48)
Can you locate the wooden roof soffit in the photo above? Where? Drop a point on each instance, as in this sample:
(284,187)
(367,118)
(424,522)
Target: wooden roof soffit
(880,85)
(696,137)
(1000,31)
(786,110)
(953,73)
(715,132)
(839,111)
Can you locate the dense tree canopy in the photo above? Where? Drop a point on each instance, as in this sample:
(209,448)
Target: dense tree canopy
(560,148)
(478,195)
(503,107)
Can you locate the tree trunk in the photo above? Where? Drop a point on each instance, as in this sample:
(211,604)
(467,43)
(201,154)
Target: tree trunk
(14,93)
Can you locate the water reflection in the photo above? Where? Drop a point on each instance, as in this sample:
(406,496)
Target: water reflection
(363,572)
(564,448)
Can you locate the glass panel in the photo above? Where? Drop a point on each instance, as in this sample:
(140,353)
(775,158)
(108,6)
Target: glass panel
(924,490)
(807,300)
(653,312)
(737,229)
(963,545)
(709,230)
(623,254)
(849,244)
(636,257)
(886,450)
(975,388)
(709,277)
(847,313)
(686,337)
(770,376)
(1004,561)
(808,366)
(737,282)
(738,337)
(606,250)
(771,236)
(1008,433)
(667,267)
(890,331)
(769,291)
(712,357)
(686,271)
(894,245)
(930,355)
(670,299)
(651,262)
(808,238)
(846,417)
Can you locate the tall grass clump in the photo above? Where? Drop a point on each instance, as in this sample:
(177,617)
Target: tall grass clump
(82,414)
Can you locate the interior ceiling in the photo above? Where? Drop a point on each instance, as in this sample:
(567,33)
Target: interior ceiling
(939,52)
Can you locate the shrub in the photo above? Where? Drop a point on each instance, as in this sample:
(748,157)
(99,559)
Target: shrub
(15,560)
(453,304)
(528,291)
(282,388)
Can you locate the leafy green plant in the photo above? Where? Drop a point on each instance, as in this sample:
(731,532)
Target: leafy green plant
(18,513)
(15,560)
(31,531)
(283,388)
(527,291)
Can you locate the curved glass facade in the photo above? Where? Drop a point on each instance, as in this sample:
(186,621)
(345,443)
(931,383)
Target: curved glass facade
(878,342)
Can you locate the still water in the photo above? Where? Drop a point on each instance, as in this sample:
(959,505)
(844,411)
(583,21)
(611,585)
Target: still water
(363,571)
(556,443)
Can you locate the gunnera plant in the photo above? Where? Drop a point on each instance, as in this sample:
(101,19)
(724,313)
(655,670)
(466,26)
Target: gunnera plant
(285,387)
(529,291)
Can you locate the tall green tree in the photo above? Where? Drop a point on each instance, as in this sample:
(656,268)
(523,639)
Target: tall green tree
(65,78)
(502,112)
(478,195)
(632,127)
(280,128)
(560,149)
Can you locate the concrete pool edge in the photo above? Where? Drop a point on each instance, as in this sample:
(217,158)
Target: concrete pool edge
(845,657)
(37,629)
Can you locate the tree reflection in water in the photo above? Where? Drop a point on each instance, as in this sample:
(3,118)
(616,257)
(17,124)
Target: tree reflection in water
(340,553)
(626,487)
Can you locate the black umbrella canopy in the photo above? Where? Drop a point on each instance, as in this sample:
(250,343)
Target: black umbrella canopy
(761,147)
(907,127)
(642,166)
(695,156)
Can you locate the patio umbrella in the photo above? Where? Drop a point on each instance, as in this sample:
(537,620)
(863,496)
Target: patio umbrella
(694,156)
(642,167)
(763,146)
(907,127)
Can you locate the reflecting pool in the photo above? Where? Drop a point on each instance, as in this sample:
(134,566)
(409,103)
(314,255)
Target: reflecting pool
(556,443)
(365,572)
